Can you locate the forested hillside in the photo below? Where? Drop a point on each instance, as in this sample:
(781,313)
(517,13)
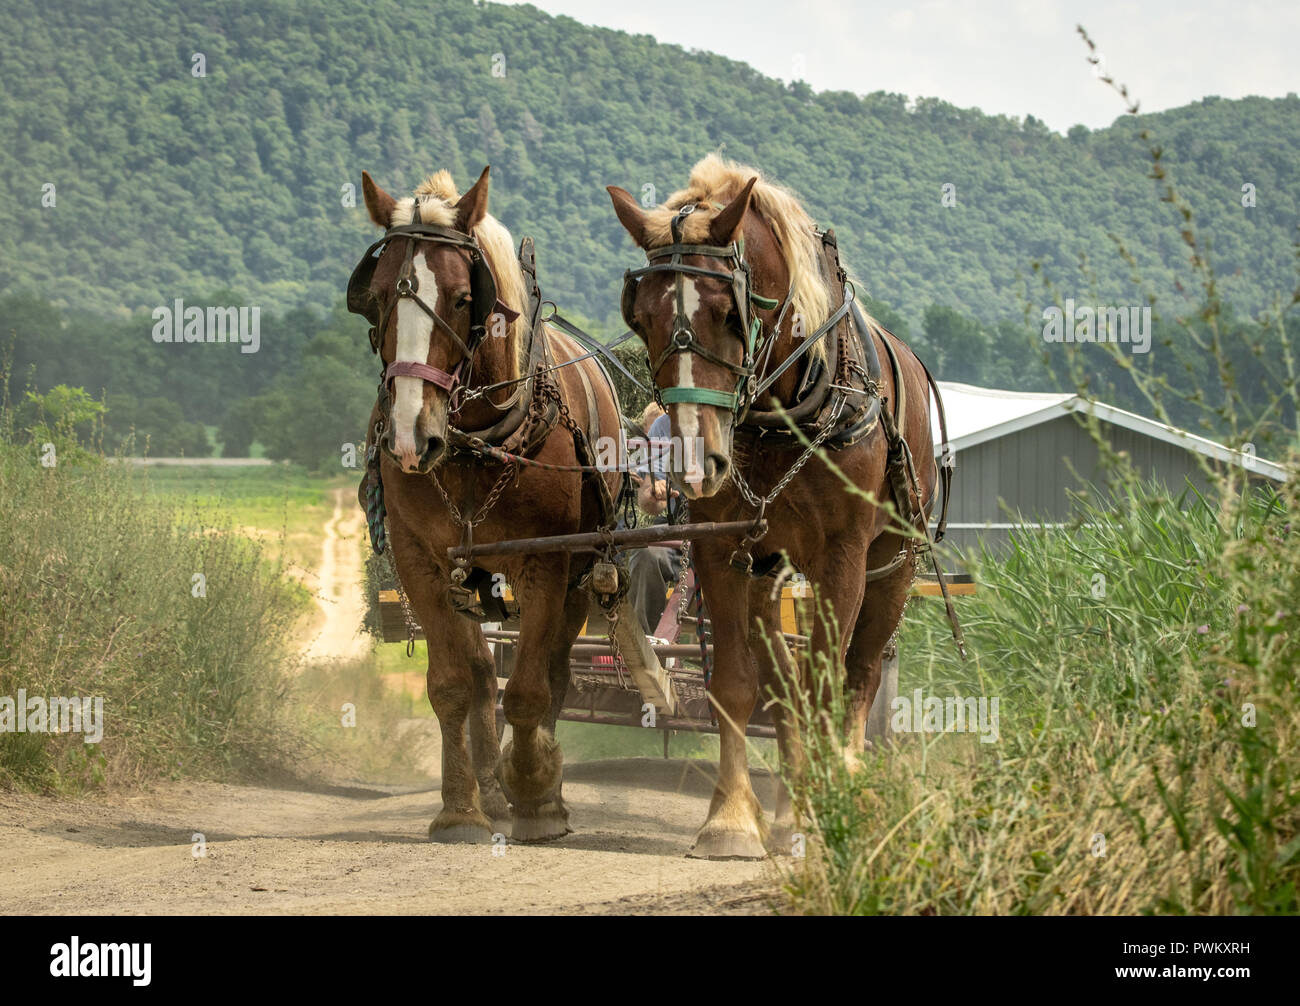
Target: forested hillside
(158,151)
(169,184)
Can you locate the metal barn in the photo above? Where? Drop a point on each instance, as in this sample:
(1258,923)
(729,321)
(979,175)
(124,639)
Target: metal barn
(1017,454)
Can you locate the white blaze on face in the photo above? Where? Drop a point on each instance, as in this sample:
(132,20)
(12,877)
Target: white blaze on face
(414,332)
(688,419)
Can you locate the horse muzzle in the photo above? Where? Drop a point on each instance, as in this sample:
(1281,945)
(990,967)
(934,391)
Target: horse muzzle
(418,450)
(415,455)
(704,480)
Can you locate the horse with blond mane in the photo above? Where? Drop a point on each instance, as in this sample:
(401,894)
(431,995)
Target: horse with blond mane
(475,384)
(761,357)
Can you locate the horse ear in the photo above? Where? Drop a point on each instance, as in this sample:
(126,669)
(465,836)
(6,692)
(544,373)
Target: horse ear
(725,227)
(379,203)
(472,207)
(630,215)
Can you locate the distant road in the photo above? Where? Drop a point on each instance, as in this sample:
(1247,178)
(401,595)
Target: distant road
(342,585)
(199,462)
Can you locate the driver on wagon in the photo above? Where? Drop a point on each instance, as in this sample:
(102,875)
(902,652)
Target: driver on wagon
(653,570)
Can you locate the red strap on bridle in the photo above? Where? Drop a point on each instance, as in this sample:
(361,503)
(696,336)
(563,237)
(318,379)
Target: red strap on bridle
(409,368)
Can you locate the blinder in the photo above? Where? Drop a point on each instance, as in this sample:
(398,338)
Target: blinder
(361,298)
(684,338)
(630,284)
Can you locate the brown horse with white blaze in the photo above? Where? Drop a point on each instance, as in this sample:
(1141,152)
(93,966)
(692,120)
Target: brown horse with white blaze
(457,330)
(737,287)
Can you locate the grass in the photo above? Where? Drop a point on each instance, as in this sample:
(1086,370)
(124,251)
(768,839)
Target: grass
(1147,759)
(282,505)
(183,628)
(97,585)
(1145,660)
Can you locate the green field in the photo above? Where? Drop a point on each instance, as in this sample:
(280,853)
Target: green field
(284,506)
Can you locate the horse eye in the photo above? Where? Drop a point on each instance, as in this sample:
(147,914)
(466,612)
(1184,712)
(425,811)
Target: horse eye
(462,301)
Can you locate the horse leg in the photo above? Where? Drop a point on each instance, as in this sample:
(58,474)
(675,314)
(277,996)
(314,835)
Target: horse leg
(450,686)
(778,676)
(532,765)
(734,828)
(839,589)
(485,750)
(576,606)
(882,610)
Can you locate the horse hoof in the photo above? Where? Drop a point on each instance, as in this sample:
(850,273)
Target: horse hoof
(495,805)
(781,840)
(540,783)
(545,824)
(450,827)
(728,845)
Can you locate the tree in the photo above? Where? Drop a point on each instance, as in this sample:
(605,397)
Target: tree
(960,344)
(62,416)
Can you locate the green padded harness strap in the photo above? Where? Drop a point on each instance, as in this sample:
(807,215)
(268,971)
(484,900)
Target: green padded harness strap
(700,396)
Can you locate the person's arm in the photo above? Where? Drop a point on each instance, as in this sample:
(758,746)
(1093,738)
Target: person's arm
(654,490)
(652,495)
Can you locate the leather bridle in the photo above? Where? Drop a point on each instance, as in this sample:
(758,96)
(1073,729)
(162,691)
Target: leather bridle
(684,338)
(483,298)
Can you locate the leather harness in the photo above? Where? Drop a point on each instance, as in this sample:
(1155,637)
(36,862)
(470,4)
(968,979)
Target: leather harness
(527,418)
(838,401)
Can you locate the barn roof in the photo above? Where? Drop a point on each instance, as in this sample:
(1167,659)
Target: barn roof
(976,415)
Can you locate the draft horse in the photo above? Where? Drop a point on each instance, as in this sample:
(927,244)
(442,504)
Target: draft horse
(472,382)
(750,326)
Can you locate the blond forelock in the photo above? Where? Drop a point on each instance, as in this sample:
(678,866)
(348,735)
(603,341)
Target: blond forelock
(438,198)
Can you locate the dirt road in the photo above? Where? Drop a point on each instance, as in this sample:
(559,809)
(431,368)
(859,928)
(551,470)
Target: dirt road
(338,590)
(362,850)
(306,847)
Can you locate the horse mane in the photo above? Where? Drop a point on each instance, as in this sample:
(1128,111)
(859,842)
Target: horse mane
(438,197)
(715,180)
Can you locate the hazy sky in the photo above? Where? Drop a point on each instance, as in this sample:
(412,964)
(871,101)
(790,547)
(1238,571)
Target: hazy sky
(1014,57)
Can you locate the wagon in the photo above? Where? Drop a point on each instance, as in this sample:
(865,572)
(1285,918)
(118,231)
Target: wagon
(658,681)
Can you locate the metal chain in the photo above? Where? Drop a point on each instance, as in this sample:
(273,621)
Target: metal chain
(497,489)
(682,574)
(761,503)
(612,614)
(845,366)
(407,614)
(549,389)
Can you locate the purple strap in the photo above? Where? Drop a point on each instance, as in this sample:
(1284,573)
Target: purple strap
(409,368)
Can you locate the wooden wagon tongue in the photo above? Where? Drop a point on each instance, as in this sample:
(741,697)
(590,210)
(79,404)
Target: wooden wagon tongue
(596,541)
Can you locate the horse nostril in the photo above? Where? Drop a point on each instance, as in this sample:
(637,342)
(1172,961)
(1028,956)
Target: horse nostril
(435,449)
(716,467)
